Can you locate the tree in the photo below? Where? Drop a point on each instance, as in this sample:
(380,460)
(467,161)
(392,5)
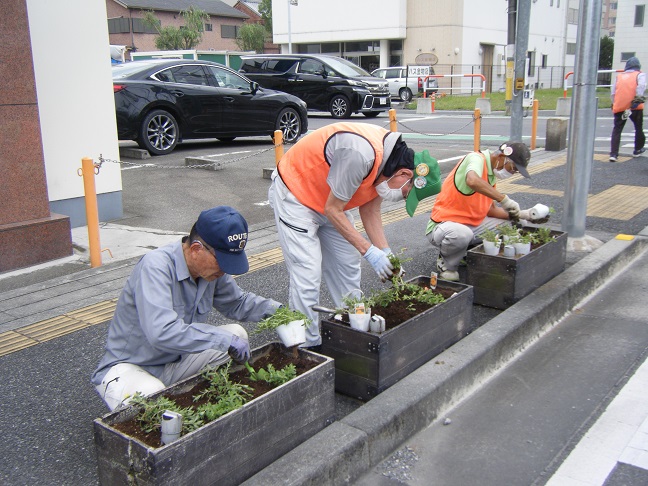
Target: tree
(251,37)
(172,38)
(606,52)
(265,9)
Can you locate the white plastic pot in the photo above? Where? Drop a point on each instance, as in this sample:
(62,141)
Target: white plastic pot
(539,211)
(509,251)
(377,324)
(292,334)
(171,426)
(491,248)
(360,321)
(522,248)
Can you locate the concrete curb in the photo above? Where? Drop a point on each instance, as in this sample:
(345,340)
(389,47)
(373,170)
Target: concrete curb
(347,449)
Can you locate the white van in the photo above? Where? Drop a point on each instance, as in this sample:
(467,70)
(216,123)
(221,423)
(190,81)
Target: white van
(403,87)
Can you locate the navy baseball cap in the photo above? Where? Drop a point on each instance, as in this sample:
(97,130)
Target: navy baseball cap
(226,231)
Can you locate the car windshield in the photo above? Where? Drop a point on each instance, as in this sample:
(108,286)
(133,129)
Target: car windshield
(346,68)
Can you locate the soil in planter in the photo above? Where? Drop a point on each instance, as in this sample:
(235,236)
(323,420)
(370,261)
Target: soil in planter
(275,357)
(402,310)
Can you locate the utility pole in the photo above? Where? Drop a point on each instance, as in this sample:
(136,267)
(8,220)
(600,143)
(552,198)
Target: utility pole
(582,127)
(510,53)
(521,45)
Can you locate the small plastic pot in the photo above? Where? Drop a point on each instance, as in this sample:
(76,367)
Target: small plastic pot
(292,334)
(522,248)
(539,211)
(360,321)
(171,426)
(377,324)
(509,251)
(491,248)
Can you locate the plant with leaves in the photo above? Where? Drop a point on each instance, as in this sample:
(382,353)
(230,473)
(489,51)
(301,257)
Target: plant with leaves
(542,235)
(283,315)
(173,38)
(251,37)
(351,300)
(265,10)
(397,260)
(490,235)
(507,230)
(220,385)
(151,411)
(273,376)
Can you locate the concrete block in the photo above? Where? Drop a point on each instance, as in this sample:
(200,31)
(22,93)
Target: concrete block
(207,163)
(134,153)
(483,105)
(424,106)
(563,107)
(267,172)
(556,138)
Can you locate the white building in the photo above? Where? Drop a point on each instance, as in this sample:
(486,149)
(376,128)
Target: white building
(631,35)
(466,36)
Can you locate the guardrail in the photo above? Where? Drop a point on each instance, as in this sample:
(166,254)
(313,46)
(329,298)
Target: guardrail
(483,78)
(603,71)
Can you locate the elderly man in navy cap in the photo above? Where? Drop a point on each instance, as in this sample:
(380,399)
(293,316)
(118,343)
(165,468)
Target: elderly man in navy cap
(158,334)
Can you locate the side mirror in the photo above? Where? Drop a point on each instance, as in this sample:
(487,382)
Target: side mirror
(254,87)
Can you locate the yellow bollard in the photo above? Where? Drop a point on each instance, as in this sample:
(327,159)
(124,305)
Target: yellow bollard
(534,123)
(279,150)
(433,101)
(477,136)
(92,213)
(393,123)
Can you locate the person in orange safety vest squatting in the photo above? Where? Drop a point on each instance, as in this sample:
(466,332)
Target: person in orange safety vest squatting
(627,96)
(327,173)
(467,205)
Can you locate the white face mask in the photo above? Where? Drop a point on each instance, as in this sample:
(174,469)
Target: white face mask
(502,173)
(389,194)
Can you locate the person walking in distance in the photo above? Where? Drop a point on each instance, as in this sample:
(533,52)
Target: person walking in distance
(628,102)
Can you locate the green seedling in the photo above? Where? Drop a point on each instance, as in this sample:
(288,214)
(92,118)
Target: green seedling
(283,315)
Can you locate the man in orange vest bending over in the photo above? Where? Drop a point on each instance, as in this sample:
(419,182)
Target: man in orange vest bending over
(627,102)
(317,182)
(467,203)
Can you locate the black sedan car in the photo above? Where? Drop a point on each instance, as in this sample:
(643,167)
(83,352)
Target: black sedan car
(162,102)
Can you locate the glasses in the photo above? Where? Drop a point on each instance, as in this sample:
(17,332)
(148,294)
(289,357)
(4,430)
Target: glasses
(209,249)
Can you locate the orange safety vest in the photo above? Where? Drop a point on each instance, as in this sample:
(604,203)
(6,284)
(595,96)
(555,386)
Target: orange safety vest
(452,205)
(625,91)
(304,167)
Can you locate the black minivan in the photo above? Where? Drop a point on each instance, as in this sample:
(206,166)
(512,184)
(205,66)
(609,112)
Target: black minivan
(325,83)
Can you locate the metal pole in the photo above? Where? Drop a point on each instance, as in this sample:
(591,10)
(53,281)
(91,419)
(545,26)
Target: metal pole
(580,151)
(521,44)
(92,212)
(510,50)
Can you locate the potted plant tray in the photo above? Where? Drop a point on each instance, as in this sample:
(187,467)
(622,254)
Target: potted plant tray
(367,363)
(231,448)
(500,281)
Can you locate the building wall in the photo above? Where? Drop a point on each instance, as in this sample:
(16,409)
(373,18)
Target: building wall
(146,42)
(629,38)
(76,106)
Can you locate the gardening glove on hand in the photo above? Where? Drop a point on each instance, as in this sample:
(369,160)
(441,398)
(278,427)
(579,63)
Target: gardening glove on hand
(379,261)
(511,206)
(388,252)
(239,349)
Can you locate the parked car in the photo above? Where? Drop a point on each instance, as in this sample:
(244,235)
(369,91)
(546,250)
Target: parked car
(403,86)
(325,83)
(160,103)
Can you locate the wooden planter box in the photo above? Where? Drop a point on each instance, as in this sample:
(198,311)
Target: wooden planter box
(501,281)
(229,449)
(367,363)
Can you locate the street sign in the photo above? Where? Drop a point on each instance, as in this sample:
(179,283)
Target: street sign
(414,71)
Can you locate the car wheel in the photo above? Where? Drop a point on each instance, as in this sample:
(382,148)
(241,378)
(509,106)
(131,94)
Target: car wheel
(405,95)
(225,139)
(339,107)
(290,125)
(159,133)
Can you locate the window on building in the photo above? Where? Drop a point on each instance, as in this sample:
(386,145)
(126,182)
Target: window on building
(229,31)
(572,16)
(209,27)
(118,26)
(571,48)
(639,15)
(330,48)
(531,57)
(626,55)
(308,48)
(613,5)
(139,27)
(545,60)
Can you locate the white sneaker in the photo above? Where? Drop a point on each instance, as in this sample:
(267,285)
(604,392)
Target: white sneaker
(613,158)
(449,275)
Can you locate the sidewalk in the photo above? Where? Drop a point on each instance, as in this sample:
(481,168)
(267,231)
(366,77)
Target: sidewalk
(59,322)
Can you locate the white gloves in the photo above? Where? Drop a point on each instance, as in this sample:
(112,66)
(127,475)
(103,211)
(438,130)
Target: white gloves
(525,214)
(379,261)
(511,206)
